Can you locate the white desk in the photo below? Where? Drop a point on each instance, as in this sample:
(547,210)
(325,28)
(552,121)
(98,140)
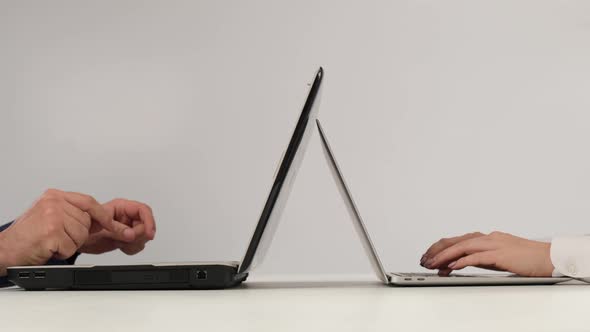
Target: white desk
(308,306)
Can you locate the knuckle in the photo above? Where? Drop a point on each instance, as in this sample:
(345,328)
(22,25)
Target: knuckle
(86,197)
(49,213)
(52,227)
(496,234)
(89,199)
(49,208)
(444,241)
(43,203)
(50,192)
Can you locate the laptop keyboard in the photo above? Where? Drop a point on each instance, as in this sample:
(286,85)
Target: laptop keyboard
(430,275)
(434,275)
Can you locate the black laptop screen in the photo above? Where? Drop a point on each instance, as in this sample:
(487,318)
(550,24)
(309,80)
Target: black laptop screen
(270,210)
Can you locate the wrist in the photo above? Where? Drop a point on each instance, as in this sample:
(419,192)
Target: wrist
(549,267)
(7,257)
(3,256)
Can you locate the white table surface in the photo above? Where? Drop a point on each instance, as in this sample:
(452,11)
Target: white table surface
(302,306)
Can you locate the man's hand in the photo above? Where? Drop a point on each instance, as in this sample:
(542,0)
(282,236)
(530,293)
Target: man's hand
(137,215)
(496,251)
(57,225)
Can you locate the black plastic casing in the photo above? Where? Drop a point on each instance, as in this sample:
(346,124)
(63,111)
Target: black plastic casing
(133,277)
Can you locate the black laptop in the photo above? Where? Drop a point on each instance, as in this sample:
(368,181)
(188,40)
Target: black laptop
(194,275)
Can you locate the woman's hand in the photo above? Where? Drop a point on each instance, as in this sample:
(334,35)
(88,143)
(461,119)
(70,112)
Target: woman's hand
(496,251)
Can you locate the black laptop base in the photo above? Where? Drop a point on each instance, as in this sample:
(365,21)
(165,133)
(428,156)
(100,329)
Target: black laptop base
(133,277)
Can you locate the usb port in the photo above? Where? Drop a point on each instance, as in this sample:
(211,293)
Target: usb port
(421,279)
(201,275)
(24,275)
(39,274)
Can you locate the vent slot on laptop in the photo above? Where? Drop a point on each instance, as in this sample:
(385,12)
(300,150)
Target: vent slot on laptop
(93,277)
(131,277)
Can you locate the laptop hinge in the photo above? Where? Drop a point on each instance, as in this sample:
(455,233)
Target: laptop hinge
(241,277)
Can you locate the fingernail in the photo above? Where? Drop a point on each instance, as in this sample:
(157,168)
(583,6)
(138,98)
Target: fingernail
(452,264)
(128,233)
(423,259)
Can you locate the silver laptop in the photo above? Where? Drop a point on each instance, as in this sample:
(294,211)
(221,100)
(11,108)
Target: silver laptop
(415,279)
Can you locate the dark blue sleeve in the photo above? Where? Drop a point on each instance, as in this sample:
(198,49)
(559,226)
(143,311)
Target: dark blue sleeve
(4,281)
(3,227)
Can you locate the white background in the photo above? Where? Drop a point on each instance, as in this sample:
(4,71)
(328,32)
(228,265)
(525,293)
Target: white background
(446,117)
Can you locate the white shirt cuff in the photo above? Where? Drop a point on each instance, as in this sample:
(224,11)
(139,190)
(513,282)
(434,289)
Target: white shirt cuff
(570,256)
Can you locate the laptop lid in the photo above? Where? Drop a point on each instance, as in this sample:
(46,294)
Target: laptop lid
(284,178)
(353,211)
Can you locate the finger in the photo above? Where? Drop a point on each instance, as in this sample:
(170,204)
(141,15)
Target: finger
(100,243)
(141,237)
(444,243)
(459,250)
(140,240)
(133,249)
(122,217)
(138,235)
(122,232)
(444,272)
(479,259)
(136,211)
(128,235)
(88,204)
(98,213)
(80,216)
(140,231)
(66,247)
(77,232)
